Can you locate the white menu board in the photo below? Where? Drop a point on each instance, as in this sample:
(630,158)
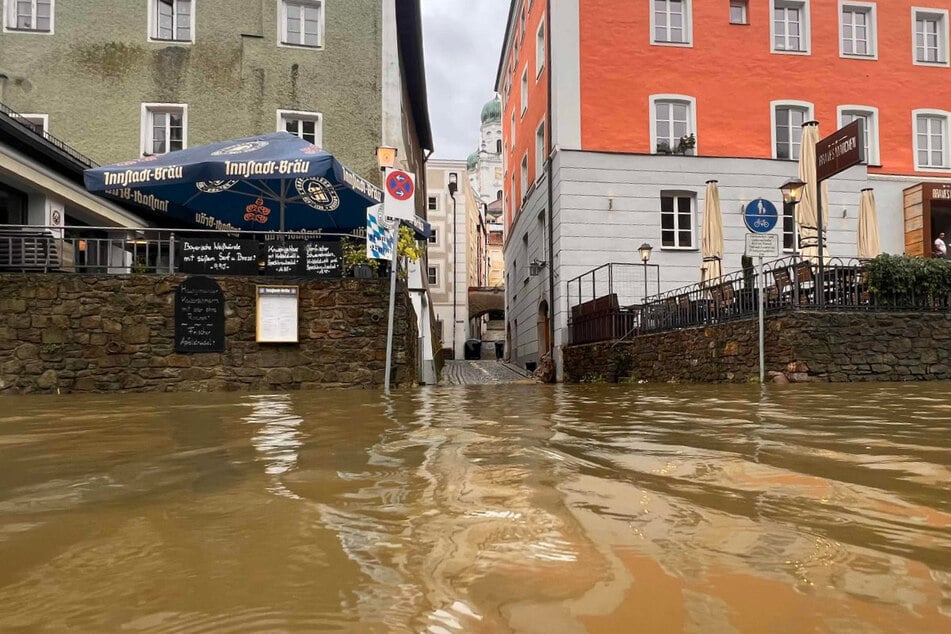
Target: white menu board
(277,308)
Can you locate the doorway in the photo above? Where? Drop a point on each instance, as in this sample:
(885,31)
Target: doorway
(543,325)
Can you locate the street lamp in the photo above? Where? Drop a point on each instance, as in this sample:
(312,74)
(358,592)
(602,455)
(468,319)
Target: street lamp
(792,195)
(645,252)
(386,157)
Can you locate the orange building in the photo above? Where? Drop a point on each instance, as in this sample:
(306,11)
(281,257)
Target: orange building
(636,103)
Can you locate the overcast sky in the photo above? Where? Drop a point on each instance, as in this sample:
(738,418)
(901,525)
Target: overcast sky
(463,40)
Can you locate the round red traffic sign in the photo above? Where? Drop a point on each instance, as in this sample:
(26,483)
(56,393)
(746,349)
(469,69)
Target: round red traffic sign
(400,185)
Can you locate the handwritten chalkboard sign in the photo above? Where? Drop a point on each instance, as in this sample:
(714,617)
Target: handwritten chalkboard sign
(323,259)
(199,316)
(284,258)
(221,256)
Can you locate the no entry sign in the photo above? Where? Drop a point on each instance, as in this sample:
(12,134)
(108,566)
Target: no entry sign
(399,194)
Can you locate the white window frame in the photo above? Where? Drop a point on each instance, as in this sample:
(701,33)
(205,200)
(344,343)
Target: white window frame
(9,17)
(316,117)
(433,236)
(790,103)
(946,137)
(42,120)
(943,34)
(432,203)
(687,25)
(512,129)
(153,24)
(675,194)
(782,228)
(540,151)
(805,26)
(540,52)
(282,24)
(743,4)
(691,118)
(145,140)
(870,9)
(873,156)
(433,268)
(523,97)
(523,175)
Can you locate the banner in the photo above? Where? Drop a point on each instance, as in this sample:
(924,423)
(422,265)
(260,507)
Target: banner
(380,239)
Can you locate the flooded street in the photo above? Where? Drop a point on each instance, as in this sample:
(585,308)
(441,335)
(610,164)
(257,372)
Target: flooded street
(518,508)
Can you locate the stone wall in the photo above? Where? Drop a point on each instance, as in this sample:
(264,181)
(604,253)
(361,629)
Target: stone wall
(800,346)
(82,333)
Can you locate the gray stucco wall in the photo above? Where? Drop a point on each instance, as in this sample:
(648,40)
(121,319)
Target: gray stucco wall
(94,71)
(606,205)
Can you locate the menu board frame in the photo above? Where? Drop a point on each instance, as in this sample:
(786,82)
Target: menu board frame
(270,325)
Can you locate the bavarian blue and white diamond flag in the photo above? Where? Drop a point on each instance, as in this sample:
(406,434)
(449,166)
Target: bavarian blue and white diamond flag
(379,238)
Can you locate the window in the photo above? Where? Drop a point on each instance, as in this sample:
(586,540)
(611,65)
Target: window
(673,117)
(39,123)
(29,15)
(164,128)
(790,231)
(13,206)
(524,90)
(790,26)
(498,195)
(930,36)
(302,23)
(787,128)
(512,133)
(498,146)
(738,13)
(869,117)
(540,48)
(433,237)
(540,150)
(171,20)
(931,140)
(432,275)
(524,175)
(858,28)
(432,204)
(676,220)
(306,125)
(671,21)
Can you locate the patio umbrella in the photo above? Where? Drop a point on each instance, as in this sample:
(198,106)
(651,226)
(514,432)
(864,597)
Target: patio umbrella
(711,236)
(806,215)
(272,182)
(869,245)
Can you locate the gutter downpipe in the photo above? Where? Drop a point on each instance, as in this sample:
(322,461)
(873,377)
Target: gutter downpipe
(548,175)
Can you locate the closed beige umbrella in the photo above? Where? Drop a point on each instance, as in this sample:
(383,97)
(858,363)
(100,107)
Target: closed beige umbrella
(869,244)
(806,215)
(711,235)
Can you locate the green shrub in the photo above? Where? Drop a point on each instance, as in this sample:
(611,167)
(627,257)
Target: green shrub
(901,280)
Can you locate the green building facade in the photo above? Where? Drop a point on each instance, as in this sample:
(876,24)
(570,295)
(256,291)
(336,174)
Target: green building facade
(116,79)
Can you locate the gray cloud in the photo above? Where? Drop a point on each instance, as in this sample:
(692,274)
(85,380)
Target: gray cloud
(463,39)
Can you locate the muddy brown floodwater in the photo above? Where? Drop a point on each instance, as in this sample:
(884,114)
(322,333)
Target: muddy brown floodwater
(668,508)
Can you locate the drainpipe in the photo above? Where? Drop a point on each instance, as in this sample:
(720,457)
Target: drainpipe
(551,213)
(455,260)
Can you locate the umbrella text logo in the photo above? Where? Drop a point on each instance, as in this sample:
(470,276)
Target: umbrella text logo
(215,187)
(134,177)
(240,148)
(247,169)
(257,212)
(318,193)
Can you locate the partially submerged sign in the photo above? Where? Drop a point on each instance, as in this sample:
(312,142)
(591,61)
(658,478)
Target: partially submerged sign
(840,150)
(199,316)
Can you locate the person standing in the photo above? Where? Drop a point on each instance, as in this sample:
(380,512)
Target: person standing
(940,248)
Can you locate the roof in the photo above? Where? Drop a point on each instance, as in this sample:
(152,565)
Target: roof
(47,149)
(505,44)
(492,111)
(409,26)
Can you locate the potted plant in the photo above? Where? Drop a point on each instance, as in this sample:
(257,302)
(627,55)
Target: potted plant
(686,144)
(663,147)
(355,260)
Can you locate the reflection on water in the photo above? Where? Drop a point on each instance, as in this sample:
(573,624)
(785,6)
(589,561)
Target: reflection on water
(503,508)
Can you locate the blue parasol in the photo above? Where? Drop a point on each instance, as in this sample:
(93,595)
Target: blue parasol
(272,182)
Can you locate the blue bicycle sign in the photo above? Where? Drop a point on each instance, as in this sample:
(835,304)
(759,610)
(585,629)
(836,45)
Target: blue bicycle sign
(760,216)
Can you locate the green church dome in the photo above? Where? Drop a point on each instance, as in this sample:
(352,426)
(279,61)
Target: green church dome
(473,160)
(492,112)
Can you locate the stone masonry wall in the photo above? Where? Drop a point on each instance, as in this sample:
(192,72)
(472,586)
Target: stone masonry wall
(83,333)
(800,346)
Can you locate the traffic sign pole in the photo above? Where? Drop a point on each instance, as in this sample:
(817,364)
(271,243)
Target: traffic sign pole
(762,336)
(394,229)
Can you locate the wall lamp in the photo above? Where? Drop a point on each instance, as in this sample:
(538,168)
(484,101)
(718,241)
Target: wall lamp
(386,157)
(535,267)
(792,191)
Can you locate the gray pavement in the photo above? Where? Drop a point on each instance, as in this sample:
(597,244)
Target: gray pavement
(483,373)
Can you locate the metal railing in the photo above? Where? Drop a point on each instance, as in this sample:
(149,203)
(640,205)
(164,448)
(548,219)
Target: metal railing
(789,283)
(112,250)
(603,301)
(62,146)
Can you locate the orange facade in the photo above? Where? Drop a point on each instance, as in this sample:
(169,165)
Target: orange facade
(519,141)
(733,75)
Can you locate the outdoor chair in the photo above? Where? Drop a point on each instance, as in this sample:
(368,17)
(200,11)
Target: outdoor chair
(805,283)
(781,291)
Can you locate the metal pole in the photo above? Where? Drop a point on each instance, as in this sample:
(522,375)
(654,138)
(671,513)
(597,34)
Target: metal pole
(820,284)
(644,301)
(171,253)
(762,337)
(389,323)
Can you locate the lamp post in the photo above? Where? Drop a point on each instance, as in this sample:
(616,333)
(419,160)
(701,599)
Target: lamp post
(645,252)
(453,188)
(792,195)
(386,158)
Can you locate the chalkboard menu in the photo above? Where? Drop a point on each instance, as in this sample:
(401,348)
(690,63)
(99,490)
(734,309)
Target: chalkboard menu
(284,258)
(221,256)
(199,316)
(323,259)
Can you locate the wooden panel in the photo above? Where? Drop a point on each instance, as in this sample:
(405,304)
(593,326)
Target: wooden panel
(915,222)
(914,243)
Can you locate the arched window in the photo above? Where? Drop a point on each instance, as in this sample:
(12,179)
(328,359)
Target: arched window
(498,146)
(498,195)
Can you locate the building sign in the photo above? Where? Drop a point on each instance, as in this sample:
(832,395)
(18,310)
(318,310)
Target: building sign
(840,150)
(199,316)
(764,245)
(942,193)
